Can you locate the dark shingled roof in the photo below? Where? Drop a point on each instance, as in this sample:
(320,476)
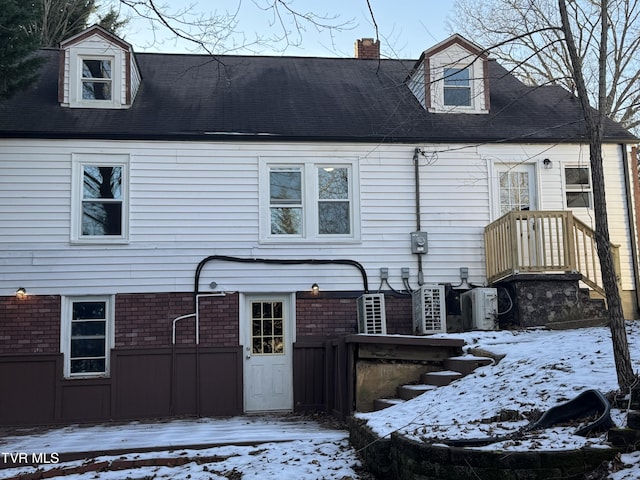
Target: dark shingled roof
(196,97)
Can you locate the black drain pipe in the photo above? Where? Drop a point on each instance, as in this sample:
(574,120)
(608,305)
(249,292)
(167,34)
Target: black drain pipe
(226,258)
(273,261)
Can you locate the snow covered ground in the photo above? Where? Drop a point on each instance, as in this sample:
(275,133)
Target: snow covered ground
(282,447)
(540,369)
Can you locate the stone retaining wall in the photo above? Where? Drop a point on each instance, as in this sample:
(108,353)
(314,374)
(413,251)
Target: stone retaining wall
(399,457)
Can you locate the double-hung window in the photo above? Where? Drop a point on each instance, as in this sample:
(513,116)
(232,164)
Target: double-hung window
(309,200)
(100,207)
(96,79)
(87,335)
(457,87)
(577,182)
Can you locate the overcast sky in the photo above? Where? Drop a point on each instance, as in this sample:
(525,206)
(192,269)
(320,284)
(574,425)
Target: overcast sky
(406,27)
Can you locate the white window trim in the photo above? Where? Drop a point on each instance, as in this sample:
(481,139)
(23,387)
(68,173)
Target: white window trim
(65,333)
(76,81)
(310,199)
(79,160)
(468,87)
(566,189)
(476,86)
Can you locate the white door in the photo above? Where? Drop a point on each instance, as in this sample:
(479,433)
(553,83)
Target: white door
(515,188)
(266,329)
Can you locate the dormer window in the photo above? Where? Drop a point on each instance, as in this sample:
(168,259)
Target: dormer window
(451,77)
(99,70)
(96,79)
(457,87)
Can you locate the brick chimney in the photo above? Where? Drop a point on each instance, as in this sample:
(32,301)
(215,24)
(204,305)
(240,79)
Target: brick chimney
(367,48)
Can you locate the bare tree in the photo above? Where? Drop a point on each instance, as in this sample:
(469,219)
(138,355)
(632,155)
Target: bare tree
(595,130)
(221,31)
(527,40)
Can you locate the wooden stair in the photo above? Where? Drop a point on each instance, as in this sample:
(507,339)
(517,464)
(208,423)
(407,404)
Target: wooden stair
(454,369)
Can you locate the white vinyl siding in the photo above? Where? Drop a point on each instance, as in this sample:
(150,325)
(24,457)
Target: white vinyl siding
(188,201)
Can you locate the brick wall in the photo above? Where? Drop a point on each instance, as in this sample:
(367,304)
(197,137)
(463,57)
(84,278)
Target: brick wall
(30,325)
(324,316)
(367,48)
(145,320)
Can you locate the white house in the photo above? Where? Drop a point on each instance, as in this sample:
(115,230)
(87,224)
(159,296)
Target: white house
(126,177)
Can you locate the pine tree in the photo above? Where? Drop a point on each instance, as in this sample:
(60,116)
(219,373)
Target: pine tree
(18,42)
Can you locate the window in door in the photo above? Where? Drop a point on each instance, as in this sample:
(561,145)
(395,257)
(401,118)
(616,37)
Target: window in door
(515,193)
(267,333)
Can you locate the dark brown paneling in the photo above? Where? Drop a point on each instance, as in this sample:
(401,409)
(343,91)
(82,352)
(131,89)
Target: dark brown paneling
(142,383)
(309,374)
(85,400)
(221,381)
(28,391)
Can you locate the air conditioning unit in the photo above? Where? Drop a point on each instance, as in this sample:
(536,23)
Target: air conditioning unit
(429,310)
(479,308)
(371,314)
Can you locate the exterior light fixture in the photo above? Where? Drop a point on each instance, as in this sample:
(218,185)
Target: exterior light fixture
(21,293)
(315,289)
(547,163)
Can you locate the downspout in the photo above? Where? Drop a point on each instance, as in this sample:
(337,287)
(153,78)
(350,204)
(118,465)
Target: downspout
(416,166)
(631,209)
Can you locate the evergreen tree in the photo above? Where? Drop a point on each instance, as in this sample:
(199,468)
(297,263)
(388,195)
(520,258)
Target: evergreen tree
(18,42)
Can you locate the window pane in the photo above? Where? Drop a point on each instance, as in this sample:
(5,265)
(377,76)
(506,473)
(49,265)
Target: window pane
(286,221)
(101,218)
(89,310)
(285,187)
(577,176)
(96,91)
(460,97)
(578,199)
(102,182)
(87,347)
(94,365)
(88,329)
(456,76)
(333,183)
(334,218)
(96,68)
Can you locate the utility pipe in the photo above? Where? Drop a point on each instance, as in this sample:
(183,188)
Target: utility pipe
(416,165)
(273,261)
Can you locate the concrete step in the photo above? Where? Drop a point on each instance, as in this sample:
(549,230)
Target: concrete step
(466,364)
(407,392)
(440,379)
(382,403)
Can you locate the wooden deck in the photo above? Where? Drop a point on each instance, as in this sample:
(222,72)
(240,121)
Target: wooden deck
(543,242)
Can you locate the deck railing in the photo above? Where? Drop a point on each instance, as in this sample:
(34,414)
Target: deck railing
(543,242)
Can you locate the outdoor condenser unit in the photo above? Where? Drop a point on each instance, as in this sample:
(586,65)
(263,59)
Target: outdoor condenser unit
(479,308)
(371,314)
(429,310)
